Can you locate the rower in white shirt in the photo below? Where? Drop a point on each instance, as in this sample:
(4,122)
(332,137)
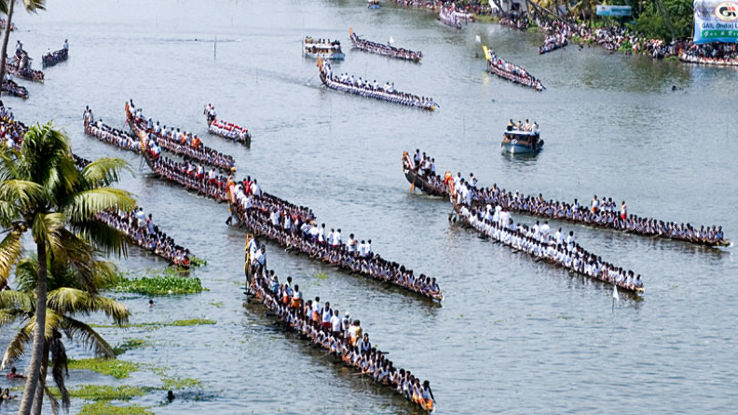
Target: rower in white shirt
(351,246)
(570,240)
(545,230)
(321,233)
(557,237)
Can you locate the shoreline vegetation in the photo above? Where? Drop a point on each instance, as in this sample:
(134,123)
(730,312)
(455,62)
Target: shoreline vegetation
(662,32)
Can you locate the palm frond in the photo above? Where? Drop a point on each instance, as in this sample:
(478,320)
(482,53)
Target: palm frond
(54,321)
(33,6)
(107,239)
(104,172)
(73,301)
(59,368)
(74,254)
(45,158)
(47,227)
(8,316)
(105,274)
(76,329)
(85,204)
(23,194)
(11,249)
(26,272)
(8,156)
(12,299)
(52,401)
(16,347)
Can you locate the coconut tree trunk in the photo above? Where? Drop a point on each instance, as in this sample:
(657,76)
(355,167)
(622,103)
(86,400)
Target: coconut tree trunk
(6,38)
(39,339)
(38,400)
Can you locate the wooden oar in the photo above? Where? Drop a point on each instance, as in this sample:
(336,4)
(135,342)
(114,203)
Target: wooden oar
(412,186)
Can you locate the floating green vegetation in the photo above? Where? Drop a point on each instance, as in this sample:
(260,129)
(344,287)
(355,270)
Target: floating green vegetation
(197,262)
(320,275)
(158,324)
(180,383)
(129,344)
(159,370)
(106,408)
(218,304)
(118,369)
(192,322)
(104,392)
(160,285)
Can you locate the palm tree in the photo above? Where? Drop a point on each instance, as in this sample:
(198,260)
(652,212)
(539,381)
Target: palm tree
(67,298)
(6,7)
(41,190)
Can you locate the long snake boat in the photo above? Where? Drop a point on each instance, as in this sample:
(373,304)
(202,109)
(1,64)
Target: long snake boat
(702,60)
(185,144)
(259,218)
(141,231)
(138,231)
(103,132)
(541,246)
(226,129)
(57,56)
(385,50)
(604,215)
(510,71)
(347,84)
(12,88)
(343,339)
(294,227)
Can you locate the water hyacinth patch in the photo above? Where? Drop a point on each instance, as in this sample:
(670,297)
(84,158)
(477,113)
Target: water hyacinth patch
(129,344)
(180,383)
(106,393)
(118,369)
(160,285)
(106,408)
(197,262)
(159,324)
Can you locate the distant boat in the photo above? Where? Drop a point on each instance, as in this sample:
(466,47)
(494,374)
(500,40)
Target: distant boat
(322,48)
(521,142)
(373,4)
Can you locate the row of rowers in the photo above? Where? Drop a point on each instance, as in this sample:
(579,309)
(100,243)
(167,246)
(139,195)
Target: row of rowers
(142,231)
(538,242)
(295,228)
(601,212)
(342,338)
(187,169)
(286,224)
(365,83)
(179,142)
